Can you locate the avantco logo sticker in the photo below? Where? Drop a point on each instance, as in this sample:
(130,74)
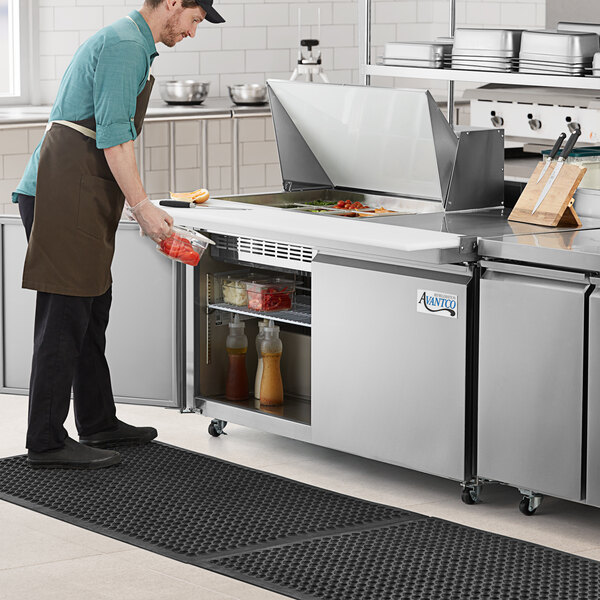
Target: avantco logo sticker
(435,303)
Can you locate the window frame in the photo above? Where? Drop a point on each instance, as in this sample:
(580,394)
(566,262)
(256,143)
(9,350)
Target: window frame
(28,48)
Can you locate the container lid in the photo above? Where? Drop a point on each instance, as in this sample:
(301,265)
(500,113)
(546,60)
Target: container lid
(362,138)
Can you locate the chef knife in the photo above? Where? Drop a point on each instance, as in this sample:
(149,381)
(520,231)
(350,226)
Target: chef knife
(553,153)
(184,204)
(559,165)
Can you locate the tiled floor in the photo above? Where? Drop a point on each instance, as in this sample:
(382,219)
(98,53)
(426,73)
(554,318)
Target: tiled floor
(46,559)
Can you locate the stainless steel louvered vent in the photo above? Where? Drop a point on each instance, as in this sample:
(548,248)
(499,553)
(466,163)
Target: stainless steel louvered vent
(278,254)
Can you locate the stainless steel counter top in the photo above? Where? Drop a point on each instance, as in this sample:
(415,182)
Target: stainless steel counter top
(488,223)
(575,249)
(211,108)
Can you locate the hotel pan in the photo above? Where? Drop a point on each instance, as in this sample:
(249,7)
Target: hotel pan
(566,45)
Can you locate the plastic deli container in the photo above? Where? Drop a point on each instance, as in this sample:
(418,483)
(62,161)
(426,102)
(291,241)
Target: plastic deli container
(271,294)
(588,157)
(231,286)
(185,245)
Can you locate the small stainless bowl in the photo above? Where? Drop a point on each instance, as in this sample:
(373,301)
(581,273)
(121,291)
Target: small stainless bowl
(184,92)
(248,93)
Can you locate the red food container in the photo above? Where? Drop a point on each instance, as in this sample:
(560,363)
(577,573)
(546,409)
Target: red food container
(185,246)
(271,294)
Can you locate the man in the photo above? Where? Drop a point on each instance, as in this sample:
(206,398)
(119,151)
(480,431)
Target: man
(78,179)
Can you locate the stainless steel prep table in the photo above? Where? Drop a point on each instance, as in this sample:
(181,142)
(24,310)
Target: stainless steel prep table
(349,370)
(413,378)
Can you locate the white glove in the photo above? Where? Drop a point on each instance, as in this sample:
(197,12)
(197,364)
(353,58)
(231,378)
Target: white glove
(153,221)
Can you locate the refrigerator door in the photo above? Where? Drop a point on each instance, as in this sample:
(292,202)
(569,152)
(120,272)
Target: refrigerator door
(530,400)
(593,400)
(389,375)
(143,335)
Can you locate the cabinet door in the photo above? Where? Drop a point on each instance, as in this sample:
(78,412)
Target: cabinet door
(389,382)
(18,309)
(141,338)
(530,403)
(593,439)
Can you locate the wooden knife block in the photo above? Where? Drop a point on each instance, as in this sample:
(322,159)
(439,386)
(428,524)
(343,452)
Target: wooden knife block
(557,208)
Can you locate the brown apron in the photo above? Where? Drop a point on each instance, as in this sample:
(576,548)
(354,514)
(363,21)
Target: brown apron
(78,205)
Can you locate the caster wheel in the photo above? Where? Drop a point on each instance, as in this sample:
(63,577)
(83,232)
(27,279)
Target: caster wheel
(216,427)
(524,507)
(466,497)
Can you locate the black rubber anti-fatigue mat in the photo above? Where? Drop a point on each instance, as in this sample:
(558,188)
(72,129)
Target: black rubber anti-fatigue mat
(426,559)
(187,505)
(295,539)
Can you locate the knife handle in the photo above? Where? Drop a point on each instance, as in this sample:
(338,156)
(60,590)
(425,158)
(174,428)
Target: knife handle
(176,203)
(557,145)
(570,144)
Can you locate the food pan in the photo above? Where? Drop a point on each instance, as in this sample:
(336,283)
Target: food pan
(483,41)
(568,46)
(586,27)
(498,64)
(542,59)
(555,59)
(430,51)
(596,65)
(408,62)
(510,54)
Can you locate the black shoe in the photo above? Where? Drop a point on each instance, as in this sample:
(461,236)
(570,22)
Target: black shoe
(121,434)
(73,456)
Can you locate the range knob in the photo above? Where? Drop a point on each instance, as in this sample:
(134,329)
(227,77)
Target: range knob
(535,124)
(497,121)
(574,126)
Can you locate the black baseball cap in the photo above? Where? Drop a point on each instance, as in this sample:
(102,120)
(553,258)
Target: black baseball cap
(212,16)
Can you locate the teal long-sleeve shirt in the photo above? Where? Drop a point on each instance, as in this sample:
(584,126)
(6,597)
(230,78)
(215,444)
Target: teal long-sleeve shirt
(103,80)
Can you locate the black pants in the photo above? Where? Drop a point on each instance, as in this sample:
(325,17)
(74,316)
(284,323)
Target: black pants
(68,352)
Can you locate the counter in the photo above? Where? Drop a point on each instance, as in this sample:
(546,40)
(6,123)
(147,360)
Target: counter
(211,108)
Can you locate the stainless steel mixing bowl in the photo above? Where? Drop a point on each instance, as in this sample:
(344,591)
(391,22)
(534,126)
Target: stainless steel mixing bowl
(184,92)
(248,93)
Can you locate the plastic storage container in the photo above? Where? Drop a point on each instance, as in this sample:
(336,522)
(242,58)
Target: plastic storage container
(588,157)
(231,286)
(271,294)
(185,245)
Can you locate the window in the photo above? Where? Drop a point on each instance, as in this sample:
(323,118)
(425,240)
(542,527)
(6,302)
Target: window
(14,44)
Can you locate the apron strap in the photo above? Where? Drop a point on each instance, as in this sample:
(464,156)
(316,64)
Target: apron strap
(84,130)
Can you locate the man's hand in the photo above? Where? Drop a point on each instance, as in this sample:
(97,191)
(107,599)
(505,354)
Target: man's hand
(153,221)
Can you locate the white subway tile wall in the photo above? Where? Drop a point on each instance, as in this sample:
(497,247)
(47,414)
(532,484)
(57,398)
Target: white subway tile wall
(259,41)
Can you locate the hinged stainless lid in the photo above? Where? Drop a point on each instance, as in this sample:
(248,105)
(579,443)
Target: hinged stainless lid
(384,141)
(394,141)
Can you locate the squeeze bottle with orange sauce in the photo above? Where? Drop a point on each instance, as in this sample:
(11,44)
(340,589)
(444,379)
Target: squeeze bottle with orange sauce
(236,386)
(259,368)
(271,385)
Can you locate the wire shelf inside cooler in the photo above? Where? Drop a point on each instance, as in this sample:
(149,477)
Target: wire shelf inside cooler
(298,315)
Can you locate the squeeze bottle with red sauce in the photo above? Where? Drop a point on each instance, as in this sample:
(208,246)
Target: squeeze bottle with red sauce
(271,386)
(236,387)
